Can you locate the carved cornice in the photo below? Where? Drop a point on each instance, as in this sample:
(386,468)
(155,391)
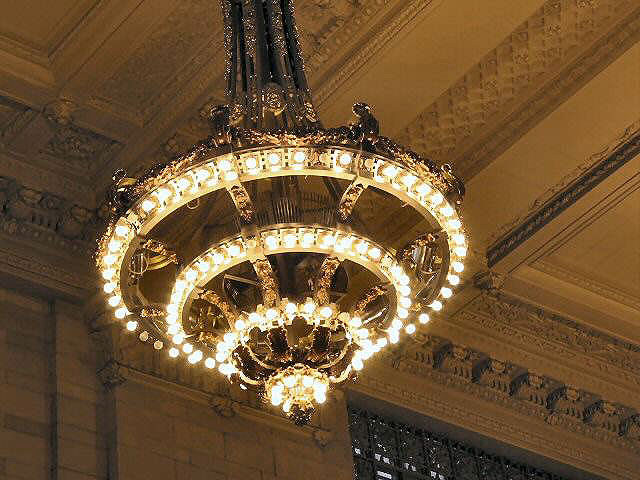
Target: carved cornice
(533,328)
(516,388)
(564,199)
(589,445)
(44,217)
(544,61)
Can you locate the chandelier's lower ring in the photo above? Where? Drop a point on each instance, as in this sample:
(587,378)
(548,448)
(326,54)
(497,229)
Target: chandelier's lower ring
(290,239)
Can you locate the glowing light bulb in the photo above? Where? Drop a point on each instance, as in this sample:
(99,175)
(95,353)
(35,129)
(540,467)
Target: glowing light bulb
(289,381)
(251,163)
(191,275)
(109,259)
(405,302)
(240,324)
(221,356)
(274,158)
(423,318)
(114,245)
(178,338)
(394,336)
(357,364)
(362,248)
(446,292)
(390,171)
(204,266)
(286,407)
(173,329)
(132,325)
(454,223)
(108,273)
(345,159)
(122,230)
(158,345)
(173,352)
(271,242)
(375,253)
(404,290)
(326,312)
(115,300)
(218,258)
(402,313)
(457,266)
(231,175)
(276,399)
(235,250)
(210,363)
(453,279)
(255,318)
(436,199)
(458,238)
(184,183)
(148,205)
(381,342)
(299,157)
(290,240)
(410,329)
(320,397)
(409,180)
(309,307)
(307,239)
(163,194)
(423,189)
(460,251)
(291,308)
(396,324)
(109,287)
(271,314)
(224,165)
(436,305)
(121,313)
(356,322)
(307,381)
(447,211)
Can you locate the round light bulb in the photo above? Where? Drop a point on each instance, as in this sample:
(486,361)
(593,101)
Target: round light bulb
(299,157)
(396,324)
(121,313)
(148,205)
(446,292)
(457,266)
(122,230)
(424,318)
(271,242)
(108,273)
(251,163)
(173,352)
(436,305)
(356,322)
(132,325)
(224,165)
(357,363)
(460,251)
(345,159)
(453,279)
(458,238)
(410,329)
(210,363)
(114,245)
(109,287)
(454,223)
(326,312)
(240,324)
(115,300)
(375,253)
(447,211)
(274,158)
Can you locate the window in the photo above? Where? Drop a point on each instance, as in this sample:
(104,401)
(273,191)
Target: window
(387,450)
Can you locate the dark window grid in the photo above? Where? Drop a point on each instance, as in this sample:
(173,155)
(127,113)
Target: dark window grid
(394,457)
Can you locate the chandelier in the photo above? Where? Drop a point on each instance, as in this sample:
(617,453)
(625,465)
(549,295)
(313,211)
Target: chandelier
(265,252)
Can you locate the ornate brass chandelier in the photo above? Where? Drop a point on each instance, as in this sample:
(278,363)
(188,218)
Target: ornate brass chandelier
(289,282)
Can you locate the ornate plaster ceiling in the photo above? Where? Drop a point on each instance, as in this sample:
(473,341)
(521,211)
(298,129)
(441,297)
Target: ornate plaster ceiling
(536,103)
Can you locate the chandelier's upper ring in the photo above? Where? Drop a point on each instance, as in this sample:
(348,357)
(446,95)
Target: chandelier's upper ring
(157,196)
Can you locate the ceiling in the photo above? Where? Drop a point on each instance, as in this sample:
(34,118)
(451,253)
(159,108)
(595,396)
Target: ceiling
(532,102)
